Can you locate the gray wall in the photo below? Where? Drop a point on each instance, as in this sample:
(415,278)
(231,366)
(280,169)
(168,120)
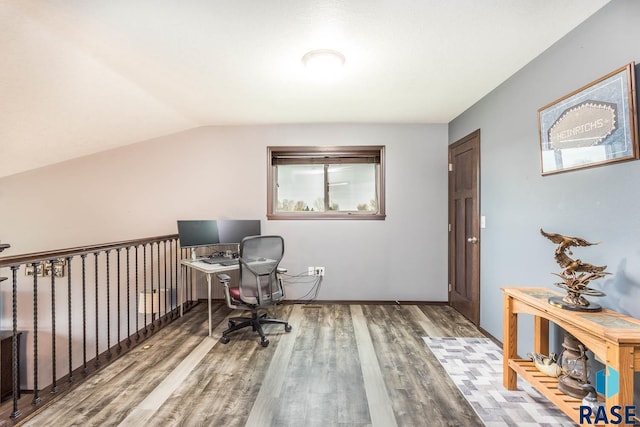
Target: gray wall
(599,204)
(220,172)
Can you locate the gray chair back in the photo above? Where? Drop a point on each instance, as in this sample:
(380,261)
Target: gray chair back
(259,259)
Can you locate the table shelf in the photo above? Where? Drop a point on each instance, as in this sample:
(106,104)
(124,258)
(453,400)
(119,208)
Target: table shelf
(546,386)
(611,336)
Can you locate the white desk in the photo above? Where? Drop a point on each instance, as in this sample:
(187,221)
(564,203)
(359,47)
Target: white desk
(209,270)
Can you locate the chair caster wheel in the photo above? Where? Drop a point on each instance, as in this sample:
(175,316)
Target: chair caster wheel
(287,328)
(232,324)
(225,340)
(264,342)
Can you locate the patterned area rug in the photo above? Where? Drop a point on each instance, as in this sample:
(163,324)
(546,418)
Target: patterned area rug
(475,366)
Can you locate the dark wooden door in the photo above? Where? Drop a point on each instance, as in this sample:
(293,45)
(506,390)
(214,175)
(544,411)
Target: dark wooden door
(464,226)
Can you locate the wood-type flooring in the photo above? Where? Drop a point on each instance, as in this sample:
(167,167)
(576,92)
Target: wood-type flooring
(341,365)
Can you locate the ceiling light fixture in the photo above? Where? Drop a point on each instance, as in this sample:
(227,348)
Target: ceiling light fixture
(323,60)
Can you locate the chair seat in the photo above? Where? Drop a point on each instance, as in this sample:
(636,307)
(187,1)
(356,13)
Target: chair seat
(235,294)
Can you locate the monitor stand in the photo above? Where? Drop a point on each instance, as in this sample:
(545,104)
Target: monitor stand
(193,254)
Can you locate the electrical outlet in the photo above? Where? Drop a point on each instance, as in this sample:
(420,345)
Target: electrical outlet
(319,271)
(311,271)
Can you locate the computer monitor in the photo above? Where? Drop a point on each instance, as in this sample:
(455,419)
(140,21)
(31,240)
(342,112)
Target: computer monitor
(234,230)
(196,233)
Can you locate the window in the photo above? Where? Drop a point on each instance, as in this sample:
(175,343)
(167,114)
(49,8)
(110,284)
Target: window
(326,182)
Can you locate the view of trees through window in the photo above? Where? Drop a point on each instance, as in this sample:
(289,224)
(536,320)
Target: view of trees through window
(350,187)
(307,182)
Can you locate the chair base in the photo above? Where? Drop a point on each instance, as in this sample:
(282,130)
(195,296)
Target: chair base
(255,321)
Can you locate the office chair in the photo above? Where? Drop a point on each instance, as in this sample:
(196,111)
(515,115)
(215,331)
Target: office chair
(259,285)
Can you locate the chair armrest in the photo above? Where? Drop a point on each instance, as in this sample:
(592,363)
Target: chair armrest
(281,270)
(224,278)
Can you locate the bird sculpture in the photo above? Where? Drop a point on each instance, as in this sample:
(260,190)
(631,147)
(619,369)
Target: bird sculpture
(565,243)
(571,266)
(548,365)
(576,274)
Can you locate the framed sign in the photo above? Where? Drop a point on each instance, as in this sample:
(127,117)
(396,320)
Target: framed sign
(595,125)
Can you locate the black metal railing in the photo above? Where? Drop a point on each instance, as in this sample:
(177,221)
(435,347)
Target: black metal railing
(104,300)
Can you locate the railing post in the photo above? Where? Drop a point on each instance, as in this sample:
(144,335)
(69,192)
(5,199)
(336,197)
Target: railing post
(174,256)
(158,288)
(164,257)
(178,281)
(128,300)
(171,277)
(70,318)
(15,413)
(97,361)
(144,284)
(136,297)
(107,253)
(84,313)
(118,311)
(151,282)
(54,386)
(36,397)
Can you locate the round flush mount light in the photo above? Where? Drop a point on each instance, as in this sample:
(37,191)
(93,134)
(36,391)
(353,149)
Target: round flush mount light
(323,60)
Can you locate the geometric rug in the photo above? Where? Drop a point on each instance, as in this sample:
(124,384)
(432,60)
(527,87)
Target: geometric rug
(475,366)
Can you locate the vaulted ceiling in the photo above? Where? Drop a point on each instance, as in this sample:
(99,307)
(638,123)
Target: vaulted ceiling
(82,76)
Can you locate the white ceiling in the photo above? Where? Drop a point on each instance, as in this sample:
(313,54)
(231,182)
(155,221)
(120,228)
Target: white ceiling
(82,76)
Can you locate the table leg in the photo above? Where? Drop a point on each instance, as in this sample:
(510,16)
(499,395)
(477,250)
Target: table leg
(541,335)
(510,346)
(619,377)
(209,301)
(182,289)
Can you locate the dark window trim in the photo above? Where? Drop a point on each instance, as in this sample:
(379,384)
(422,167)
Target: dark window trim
(323,155)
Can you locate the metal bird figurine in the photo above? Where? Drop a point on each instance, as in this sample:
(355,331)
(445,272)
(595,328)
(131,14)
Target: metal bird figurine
(571,266)
(574,284)
(565,242)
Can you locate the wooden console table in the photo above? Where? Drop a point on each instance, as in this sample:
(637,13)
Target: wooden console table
(612,337)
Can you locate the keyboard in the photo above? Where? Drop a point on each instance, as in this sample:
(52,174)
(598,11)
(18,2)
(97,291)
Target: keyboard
(221,260)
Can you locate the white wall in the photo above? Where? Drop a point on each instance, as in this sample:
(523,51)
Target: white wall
(220,172)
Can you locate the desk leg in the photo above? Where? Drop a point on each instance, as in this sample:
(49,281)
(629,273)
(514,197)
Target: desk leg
(510,346)
(619,385)
(209,300)
(183,285)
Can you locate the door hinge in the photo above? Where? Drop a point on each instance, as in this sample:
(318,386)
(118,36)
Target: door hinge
(450,287)
(449,228)
(450,167)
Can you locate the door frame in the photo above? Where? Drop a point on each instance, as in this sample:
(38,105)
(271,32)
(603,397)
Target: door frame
(475,222)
